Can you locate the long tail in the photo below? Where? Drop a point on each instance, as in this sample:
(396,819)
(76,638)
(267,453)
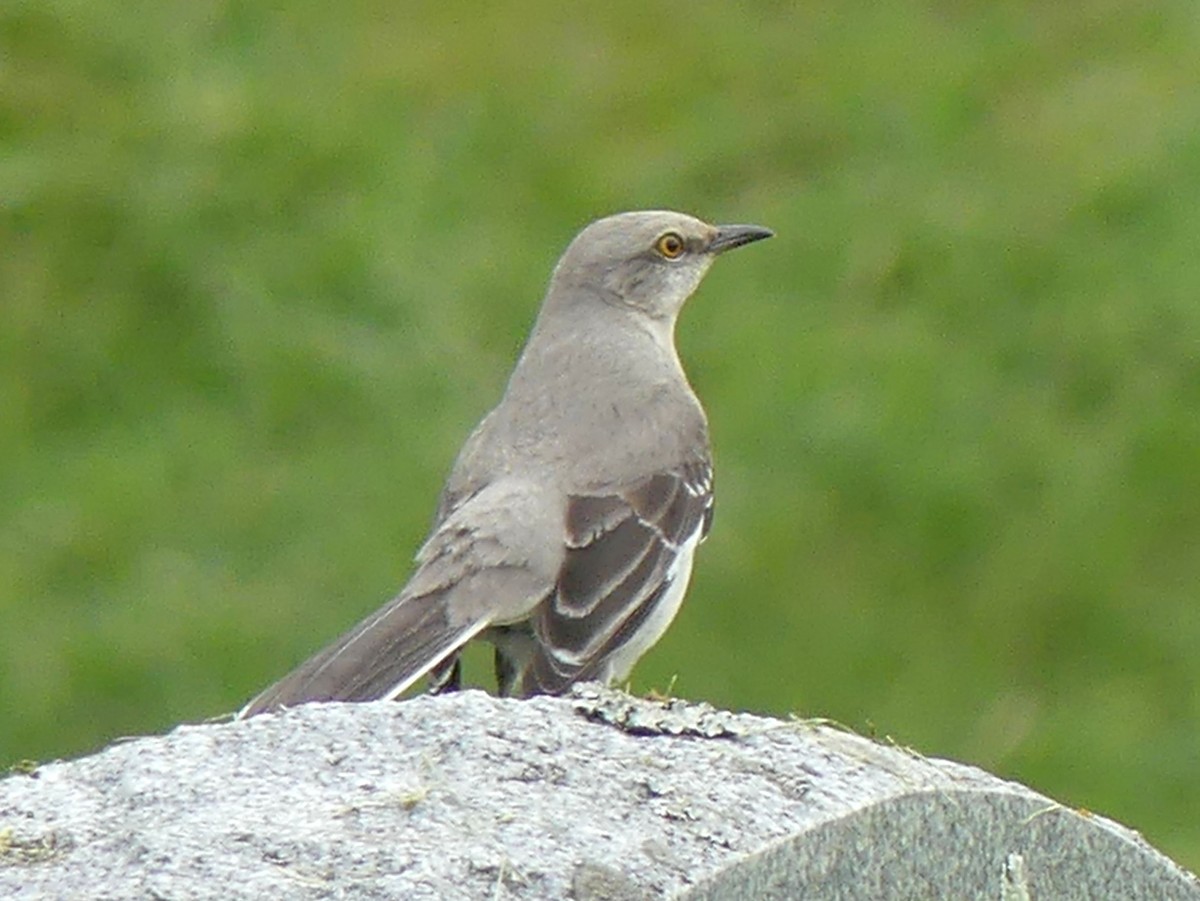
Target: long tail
(379,658)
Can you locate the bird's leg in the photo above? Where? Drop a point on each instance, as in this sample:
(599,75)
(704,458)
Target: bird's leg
(506,672)
(515,648)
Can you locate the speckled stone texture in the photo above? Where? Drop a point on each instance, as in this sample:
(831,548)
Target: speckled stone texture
(593,796)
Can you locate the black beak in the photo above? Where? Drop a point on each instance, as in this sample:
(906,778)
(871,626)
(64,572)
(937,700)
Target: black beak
(731,236)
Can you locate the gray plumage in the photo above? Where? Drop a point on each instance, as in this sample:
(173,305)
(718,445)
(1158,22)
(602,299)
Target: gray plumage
(564,534)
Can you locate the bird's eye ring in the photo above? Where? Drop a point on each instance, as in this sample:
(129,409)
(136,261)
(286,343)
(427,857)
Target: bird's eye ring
(670,246)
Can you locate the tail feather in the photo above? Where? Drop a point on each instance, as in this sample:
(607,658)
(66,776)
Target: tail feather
(379,658)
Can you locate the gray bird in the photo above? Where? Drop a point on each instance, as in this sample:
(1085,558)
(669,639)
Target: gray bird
(565,533)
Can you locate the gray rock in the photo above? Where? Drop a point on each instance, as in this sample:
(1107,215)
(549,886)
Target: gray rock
(594,796)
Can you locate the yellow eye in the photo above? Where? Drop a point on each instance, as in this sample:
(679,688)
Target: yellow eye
(670,246)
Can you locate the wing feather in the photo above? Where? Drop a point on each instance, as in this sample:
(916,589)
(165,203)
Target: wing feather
(622,550)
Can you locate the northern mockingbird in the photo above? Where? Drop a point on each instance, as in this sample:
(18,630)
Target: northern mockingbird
(564,535)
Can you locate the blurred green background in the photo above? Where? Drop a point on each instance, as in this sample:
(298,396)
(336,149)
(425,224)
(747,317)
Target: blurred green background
(261,270)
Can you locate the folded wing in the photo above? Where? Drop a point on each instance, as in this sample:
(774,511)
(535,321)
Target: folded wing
(626,550)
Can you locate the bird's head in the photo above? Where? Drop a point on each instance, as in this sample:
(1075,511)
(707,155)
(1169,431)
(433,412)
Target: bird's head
(651,261)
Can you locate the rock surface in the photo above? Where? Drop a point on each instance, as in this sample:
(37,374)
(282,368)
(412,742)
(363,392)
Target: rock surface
(593,796)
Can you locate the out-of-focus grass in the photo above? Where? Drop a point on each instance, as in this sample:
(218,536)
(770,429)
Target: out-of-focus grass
(261,270)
